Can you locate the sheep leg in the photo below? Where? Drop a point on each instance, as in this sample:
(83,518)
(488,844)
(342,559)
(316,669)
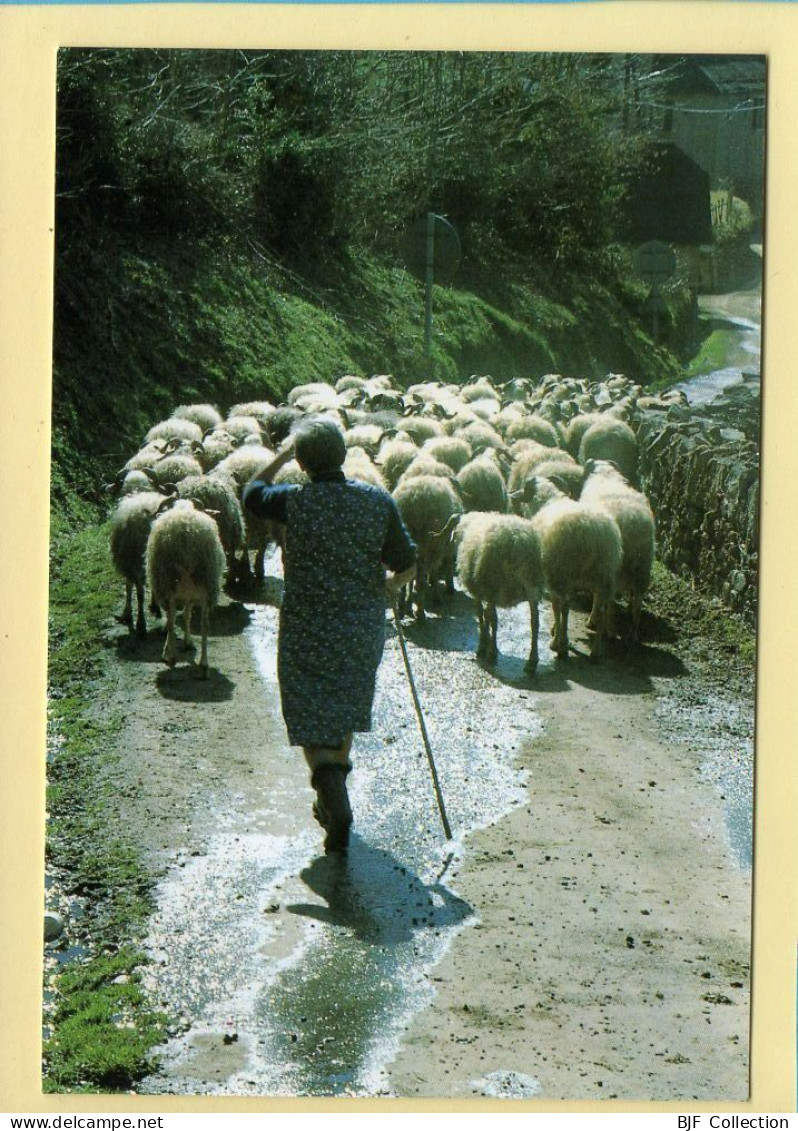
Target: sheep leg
(534,627)
(483,631)
(636,610)
(597,647)
(169,654)
(141,624)
(188,608)
(595,613)
(421,594)
(492,618)
(205,619)
(560,638)
(126,616)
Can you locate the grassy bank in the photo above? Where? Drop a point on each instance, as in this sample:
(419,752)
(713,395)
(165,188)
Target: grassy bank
(140,330)
(102,1026)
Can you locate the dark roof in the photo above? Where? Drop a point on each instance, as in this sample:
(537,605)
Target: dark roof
(736,76)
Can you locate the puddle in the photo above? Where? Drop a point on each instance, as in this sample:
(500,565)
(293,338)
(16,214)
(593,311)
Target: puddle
(297,973)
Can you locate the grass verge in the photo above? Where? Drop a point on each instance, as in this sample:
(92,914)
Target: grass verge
(102,1027)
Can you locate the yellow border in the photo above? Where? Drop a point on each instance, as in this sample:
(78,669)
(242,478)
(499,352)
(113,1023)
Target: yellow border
(29,37)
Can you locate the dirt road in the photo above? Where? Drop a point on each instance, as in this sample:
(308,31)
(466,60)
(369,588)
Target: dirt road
(589,937)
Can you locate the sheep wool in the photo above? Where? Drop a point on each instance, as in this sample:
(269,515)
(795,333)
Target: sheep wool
(499,565)
(185,568)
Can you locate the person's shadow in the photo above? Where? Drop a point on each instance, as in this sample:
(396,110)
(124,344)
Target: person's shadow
(376,896)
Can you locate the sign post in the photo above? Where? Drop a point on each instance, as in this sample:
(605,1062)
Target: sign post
(432,252)
(655,263)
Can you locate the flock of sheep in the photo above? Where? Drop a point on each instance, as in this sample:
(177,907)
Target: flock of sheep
(518,489)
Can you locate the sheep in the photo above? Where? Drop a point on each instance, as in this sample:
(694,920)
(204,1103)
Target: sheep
(240,466)
(421,428)
(217,445)
(451,450)
(480,484)
(577,428)
(147,455)
(580,552)
(262,411)
(527,460)
(313,389)
(218,496)
(606,488)
(175,428)
(349,381)
(359,465)
(532,426)
(611,439)
(368,436)
(174,467)
(499,564)
(480,435)
(132,483)
(280,423)
(426,465)
(130,528)
(206,416)
(244,462)
(185,568)
(394,457)
(426,504)
(566,474)
(243,429)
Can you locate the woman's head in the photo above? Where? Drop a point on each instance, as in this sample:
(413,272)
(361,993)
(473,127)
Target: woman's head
(319,446)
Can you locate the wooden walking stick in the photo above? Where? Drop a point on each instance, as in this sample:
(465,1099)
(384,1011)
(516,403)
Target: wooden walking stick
(438,795)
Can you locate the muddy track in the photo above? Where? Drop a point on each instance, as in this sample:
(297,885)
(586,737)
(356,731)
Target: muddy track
(589,938)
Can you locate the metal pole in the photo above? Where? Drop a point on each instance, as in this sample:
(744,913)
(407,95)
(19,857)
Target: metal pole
(428,276)
(438,795)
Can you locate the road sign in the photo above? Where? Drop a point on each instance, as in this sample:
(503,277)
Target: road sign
(446,252)
(654,262)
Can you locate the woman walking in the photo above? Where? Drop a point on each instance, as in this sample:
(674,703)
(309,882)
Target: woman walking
(340,535)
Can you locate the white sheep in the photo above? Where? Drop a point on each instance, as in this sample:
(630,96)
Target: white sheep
(262,411)
(426,465)
(532,427)
(174,467)
(185,569)
(481,485)
(175,428)
(243,429)
(261,533)
(611,439)
(359,465)
(394,457)
(218,496)
(451,450)
(606,488)
(426,504)
(580,552)
(130,529)
(205,416)
(499,564)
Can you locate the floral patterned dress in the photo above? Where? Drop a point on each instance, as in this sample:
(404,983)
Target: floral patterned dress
(339,536)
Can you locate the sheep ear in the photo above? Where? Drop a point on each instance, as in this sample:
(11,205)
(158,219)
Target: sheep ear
(560,483)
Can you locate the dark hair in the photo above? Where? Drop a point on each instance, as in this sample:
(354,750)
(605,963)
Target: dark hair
(319,445)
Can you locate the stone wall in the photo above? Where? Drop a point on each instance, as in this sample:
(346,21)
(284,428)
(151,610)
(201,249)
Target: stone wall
(700,469)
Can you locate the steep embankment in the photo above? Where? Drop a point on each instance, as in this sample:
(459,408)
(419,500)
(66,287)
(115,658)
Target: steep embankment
(141,329)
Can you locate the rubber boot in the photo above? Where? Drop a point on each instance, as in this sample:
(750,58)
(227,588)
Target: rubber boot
(332,809)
